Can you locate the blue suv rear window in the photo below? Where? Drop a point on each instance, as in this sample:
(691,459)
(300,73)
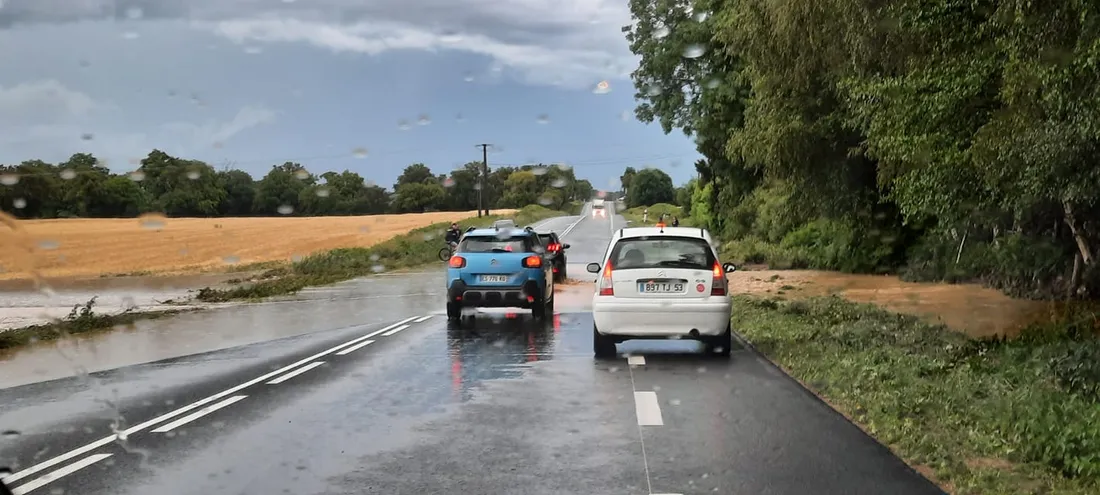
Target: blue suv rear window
(493,244)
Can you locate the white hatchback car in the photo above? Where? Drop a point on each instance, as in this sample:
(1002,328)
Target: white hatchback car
(659,283)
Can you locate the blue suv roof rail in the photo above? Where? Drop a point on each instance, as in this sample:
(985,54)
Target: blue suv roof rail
(471,229)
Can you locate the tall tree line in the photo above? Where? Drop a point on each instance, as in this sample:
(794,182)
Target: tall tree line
(178,187)
(946,139)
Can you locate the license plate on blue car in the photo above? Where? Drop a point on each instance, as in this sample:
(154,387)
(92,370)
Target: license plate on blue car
(493,279)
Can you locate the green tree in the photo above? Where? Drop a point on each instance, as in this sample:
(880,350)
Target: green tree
(650,186)
(281,187)
(419,197)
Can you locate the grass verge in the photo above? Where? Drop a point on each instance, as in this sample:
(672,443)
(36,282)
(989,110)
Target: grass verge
(416,248)
(978,416)
(82,319)
(655,211)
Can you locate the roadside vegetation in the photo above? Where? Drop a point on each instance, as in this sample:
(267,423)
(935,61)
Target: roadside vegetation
(82,319)
(937,140)
(634,215)
(978,416)
(416,248)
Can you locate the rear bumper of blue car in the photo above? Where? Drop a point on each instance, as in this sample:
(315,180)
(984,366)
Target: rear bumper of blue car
(527,295)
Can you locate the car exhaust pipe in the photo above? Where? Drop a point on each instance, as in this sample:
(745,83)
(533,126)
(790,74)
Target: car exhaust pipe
(694,333)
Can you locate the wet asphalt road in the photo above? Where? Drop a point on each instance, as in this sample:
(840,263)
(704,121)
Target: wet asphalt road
(417,405)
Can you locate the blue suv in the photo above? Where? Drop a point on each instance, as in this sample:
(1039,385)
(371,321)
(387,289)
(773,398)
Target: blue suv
(501,267)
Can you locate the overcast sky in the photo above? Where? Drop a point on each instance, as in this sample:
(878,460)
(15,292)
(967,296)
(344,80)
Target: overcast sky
(258,82)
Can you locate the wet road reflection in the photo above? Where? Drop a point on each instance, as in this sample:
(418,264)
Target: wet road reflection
(501,346)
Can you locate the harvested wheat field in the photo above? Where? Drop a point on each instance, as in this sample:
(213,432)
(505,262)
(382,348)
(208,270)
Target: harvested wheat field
(94,247)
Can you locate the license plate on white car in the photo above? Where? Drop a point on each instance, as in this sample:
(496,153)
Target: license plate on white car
(655,287)
(493,279)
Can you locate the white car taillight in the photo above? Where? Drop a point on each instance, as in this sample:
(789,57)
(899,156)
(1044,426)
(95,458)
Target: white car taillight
(607,288)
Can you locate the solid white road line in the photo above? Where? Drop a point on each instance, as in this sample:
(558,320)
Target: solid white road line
(198,414)
(355,347)
(635,360)
(398,329)
(422,319)
(295,373)
(649,411)
(194,405)
(569,228)
(60,473)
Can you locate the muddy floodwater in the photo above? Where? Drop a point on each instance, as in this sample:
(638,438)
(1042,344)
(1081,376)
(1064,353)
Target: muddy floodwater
(974,310)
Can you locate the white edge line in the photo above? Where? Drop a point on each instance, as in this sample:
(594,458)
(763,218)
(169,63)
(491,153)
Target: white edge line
(398,329)
(648,409)
(60,473)
(422,319)
(635,360)
(354,348)
(194,405)
(295,373)
(198,414)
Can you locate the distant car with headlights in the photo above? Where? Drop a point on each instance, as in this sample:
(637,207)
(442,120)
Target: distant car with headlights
(660,283)
(500,268)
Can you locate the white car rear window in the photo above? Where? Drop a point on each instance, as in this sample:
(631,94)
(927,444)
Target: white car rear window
(662,252)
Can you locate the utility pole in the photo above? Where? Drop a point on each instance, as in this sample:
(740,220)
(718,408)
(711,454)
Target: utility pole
(483,178)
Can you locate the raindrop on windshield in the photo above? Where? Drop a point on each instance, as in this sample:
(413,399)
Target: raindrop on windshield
(152,222)
(377,268)
(700,16)
(137,176)
(661,32)
(543,119)
(359,152)
(423,120)
(451,36)
(375,257)
(134,13)
(19,203)
(301,174)
(694,51)
(231,260)
(47,245)
(68,174)
(653,90)
(193,174)
(713,82)
(87,136)
(285,209)
(564,166)
(9,434)
(403,125)
(539,170)
(468,77)
(602,88)
(253,50)
(460,118)
(559,183)
(546,200)
(448,182)
(130,35)
(9,179)
(323,192)
(364,229)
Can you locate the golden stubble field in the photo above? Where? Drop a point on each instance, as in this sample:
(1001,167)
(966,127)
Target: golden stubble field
(96,247)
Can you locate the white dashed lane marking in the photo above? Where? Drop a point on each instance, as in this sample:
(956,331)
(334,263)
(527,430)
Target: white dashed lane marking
(422,319)
(42,466)
(295,373)
(648,409)
(355,347)
(635,360)
(198,414)
(60,473)
(398,329)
